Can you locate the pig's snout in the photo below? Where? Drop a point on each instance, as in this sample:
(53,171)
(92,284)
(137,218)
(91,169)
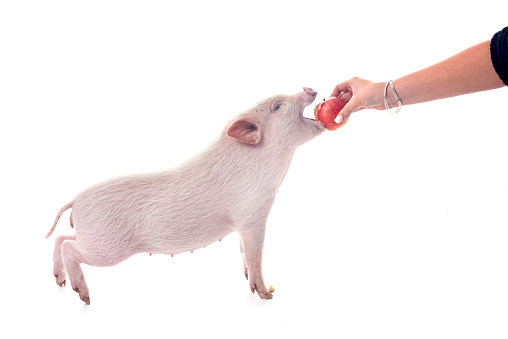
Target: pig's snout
(310,91)
(308,95)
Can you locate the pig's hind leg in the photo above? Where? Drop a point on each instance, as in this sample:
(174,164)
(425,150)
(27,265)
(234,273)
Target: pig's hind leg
(72,259)
(58,266)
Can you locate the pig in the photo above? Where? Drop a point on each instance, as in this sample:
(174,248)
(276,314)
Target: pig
(230,186)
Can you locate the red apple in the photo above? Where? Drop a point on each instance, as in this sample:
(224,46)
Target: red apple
(327,111)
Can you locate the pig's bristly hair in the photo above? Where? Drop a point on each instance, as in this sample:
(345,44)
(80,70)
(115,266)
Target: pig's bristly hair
(229,187)
(216,188)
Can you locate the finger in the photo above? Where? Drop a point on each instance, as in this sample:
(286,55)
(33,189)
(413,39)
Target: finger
(345,112)
(345,96)
(339,119)
(342,87)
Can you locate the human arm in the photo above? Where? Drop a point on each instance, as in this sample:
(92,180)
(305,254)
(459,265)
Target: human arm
(466,72)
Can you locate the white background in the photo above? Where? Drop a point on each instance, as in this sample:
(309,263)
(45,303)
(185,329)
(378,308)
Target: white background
(393,226)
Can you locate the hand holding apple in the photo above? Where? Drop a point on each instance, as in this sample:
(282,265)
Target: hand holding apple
(327,111)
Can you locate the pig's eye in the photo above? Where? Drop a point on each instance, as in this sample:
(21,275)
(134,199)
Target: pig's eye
(275,106)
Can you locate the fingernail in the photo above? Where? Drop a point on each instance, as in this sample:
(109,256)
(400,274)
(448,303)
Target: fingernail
(339,119)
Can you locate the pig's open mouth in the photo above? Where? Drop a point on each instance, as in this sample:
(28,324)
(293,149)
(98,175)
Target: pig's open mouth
(311,96)
(314,113)
(313,123)
(308,96)
(311,120)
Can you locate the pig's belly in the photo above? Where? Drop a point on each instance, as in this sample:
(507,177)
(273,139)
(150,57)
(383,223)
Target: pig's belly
(110,248)
(115,234)
(174,238)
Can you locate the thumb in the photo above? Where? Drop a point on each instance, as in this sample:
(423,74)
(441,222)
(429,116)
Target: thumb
(350,107)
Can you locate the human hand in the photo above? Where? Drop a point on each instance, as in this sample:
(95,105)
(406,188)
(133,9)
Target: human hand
(359,94)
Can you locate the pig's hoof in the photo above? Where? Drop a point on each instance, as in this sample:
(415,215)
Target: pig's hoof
(265,295)
(262,294)
(59,280)
(85,298)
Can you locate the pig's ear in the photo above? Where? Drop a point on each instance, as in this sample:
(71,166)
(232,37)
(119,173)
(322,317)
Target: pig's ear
(245,130)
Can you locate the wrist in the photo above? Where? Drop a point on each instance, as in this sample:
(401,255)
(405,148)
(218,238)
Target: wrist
(377,96)
(380,91)
(391,95)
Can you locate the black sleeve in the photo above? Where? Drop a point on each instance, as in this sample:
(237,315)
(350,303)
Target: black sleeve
(499,54)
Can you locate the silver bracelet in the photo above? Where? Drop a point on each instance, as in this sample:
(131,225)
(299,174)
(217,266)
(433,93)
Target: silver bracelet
(396,98)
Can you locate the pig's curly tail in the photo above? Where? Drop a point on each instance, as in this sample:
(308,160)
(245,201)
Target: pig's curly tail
(65,208)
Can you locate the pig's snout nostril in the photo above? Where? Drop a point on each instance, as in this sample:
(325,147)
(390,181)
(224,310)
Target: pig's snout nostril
(310,91)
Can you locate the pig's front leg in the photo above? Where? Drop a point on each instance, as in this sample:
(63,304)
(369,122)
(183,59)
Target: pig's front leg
(245,270)
(251,240)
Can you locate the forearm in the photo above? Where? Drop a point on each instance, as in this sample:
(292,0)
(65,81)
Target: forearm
(466,72)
